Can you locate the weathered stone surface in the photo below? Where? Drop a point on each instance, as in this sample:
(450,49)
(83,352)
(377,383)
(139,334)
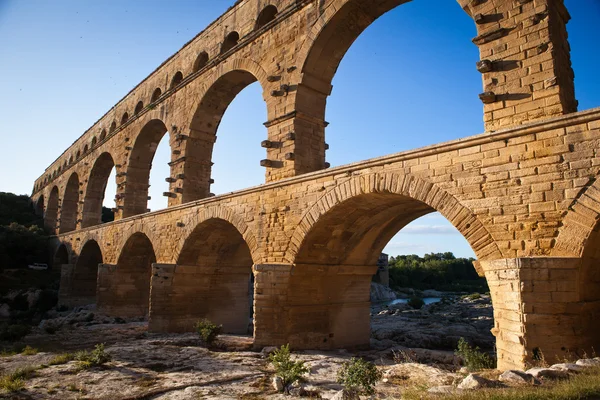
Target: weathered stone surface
(523,196)
(589,362)
(568,367)
(277,383)
(517,377)
(474,381)
(547,373)
(345,394)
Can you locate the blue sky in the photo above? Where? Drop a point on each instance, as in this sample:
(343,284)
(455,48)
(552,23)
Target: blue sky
(408,81)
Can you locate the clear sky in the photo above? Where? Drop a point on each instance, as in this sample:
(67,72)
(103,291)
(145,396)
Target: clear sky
(408,81)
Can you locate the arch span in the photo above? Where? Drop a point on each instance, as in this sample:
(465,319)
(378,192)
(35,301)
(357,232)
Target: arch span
(51,214)
(96,188)
(397,199)
(210,280)
(216,98)
(124,289)
(139,165)
(78,282)
(70,205)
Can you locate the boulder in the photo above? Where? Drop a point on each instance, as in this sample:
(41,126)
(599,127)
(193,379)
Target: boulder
(277,384)
(518,377)
(547,373)
(474,381)
(589,362)
(568,367)
(346,394)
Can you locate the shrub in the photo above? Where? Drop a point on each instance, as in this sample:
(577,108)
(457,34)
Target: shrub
(289,371)
(416,302)
(15,381)
(208,331)
(94,358)
(359,375)
(29,351)
(61,359)
(473,359)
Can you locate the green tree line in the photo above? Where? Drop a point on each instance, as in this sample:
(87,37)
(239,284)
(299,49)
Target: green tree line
(440,271)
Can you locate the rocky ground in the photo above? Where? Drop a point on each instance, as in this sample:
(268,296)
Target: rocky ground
(162,366)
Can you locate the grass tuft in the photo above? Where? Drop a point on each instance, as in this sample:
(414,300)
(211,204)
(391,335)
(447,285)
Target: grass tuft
(29,351)
(61,359)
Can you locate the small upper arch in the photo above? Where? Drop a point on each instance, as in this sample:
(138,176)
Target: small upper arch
(124,118)
(139,107)
(94,141)
(267,15)
(155,95)
(113,127)
(177,78)
(200,62)
(231,40)
(103,135)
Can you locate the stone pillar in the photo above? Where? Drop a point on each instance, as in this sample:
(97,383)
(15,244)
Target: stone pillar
(180,295)
(66,281)
(312,306)
(538,311)
(525,60)
(118,294)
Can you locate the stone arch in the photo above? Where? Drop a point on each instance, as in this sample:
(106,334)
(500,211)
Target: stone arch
(124,118)
(155,95)
(384,194)
(200,62)
(219,91)
(103,135)
(125,287)
(267,15)
(228,215)
(113,127)
(231,40)
(212,279)
(39,205)
(82,286)
(177,78)
(95,190)
(70,205)
(139,107)
(139,165)
(51,214)
(61,257)
(94,141)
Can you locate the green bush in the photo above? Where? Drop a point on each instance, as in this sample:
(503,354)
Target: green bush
(359,375)
(289,371)
(416,302)
(15,381)
(94,358)
(208,331)
(473,359)
(61,359)
(29,351)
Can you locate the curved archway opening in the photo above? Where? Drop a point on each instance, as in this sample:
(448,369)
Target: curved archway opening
(39,205)
(97,189)
(139,107)
(79,287)
(155,95)
(340,256)
(398,104)
(177,78)
(267,15)
(212,279)
(140,167)
(233,108)
(231,40)
(587,289)
(51,214)
(61,257)
(113,127)
(124,118)
(103,135)
(200,61)
(125,288)
(70,205)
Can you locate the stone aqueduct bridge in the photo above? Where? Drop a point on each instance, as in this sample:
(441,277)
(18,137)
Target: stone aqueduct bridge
(524,194)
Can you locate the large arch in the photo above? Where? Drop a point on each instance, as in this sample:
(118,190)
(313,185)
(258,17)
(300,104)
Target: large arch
(70,205)
(124,288)
(96,188)
(61,257)
(210,280)
(78,282)
(219,92)
(336,246)
(51,214)
(39,206)
(139,165)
